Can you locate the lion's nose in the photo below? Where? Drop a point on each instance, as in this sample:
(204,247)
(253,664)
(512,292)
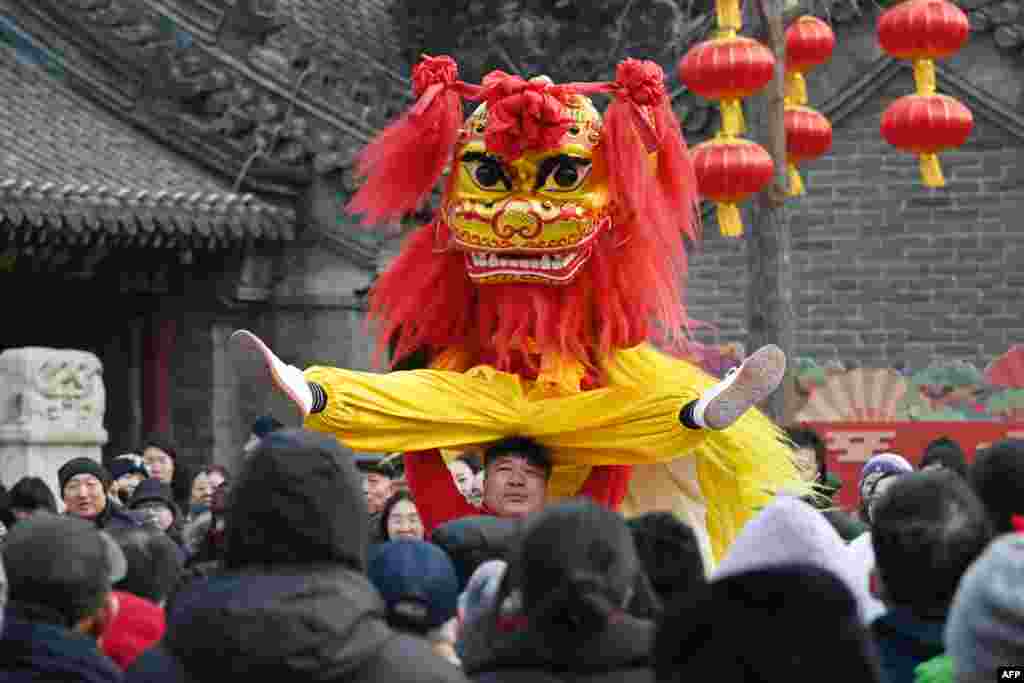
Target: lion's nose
(524,174)
(517,220)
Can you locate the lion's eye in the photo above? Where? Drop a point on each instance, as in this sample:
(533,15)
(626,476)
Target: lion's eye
(566,175)
(487,175)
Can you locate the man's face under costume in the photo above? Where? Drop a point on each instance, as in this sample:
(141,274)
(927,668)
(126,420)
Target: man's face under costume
(532,219)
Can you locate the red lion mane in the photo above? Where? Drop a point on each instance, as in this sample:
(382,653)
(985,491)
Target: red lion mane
(630,291)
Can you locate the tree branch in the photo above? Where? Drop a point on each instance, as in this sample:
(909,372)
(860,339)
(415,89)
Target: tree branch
(771,16)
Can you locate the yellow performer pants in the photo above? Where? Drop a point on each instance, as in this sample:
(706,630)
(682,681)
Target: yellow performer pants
(634,420)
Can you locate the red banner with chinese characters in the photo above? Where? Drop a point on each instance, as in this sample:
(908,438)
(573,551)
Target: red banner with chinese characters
(850,444)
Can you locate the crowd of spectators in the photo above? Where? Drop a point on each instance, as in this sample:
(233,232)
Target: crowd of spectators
(315,563)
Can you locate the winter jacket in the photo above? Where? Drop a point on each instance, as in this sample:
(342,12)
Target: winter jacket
(35,652)
(116,517)
(293,602)
(905,641)
(324,624)
(620,654)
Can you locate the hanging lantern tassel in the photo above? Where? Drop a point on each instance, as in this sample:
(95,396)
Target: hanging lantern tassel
(730,223)
(796,88)
(733,123)
(931,170)
(924,76)
(796,184)
(730,20)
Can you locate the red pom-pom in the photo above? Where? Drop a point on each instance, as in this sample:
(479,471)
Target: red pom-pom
(641,81)
(522,115)
(433,71)
(1017,521)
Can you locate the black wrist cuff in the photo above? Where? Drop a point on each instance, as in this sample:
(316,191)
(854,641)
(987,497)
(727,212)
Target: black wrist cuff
(319,398)
(686,416)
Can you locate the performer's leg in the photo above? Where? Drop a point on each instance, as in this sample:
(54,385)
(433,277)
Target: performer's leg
(721,405)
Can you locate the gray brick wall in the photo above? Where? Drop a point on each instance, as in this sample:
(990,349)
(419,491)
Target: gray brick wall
(890,272)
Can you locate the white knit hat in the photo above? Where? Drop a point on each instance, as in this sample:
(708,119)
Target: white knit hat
(789,531)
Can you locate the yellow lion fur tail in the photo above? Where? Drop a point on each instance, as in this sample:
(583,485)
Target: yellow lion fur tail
(738,470)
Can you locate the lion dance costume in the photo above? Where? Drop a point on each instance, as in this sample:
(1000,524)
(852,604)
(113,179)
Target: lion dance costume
(556,258)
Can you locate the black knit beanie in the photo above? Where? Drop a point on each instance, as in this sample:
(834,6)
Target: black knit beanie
(83,465)
(299,500)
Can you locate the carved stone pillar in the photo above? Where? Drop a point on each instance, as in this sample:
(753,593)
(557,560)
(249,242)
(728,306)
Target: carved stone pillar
(51,410)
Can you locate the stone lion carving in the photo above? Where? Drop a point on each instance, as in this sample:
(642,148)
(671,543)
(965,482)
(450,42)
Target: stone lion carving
(47,386)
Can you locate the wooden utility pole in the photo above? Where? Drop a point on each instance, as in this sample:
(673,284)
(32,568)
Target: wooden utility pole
(770,317)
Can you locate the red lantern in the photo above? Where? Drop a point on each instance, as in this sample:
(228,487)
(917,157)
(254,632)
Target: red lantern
(926,125)
(728,171)
(809,43)
(728,69)
(923,29)
(808,136)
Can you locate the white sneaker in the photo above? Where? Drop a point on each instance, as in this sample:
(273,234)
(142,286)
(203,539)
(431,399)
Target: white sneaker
(743,387)
(288,378)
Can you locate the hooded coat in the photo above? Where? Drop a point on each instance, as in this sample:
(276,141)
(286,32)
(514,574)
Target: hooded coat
(116,518)
(294,602)
(32,651)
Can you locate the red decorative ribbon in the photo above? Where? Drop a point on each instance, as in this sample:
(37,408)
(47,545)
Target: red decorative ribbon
(435,75)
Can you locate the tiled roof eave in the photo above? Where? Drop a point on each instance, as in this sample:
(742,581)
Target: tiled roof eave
(41,212)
